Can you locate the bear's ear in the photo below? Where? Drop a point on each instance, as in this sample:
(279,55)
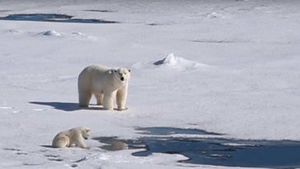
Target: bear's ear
(87,130)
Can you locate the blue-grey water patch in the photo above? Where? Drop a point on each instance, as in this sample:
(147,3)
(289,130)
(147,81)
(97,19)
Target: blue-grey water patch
(52,17)
(170,131)
(212,150)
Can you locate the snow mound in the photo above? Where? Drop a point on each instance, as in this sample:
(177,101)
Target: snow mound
(180,63)
(213,15)
(80,35)
(14,31)
(51,33)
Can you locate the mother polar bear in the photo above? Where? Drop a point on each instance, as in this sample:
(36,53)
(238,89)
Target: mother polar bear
(105,83)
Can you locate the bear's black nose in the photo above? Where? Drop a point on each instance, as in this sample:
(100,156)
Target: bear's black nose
(122,78)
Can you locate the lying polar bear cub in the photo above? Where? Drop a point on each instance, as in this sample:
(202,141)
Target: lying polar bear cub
(71,138)
(105,83)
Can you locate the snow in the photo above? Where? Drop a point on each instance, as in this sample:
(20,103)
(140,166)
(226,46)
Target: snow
(173,63)
(51,33)
(228,67)
(178,63)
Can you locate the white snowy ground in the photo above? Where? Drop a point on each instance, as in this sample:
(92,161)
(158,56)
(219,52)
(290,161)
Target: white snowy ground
(234,70)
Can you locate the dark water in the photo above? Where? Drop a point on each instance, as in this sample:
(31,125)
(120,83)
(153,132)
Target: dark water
(44,17)
(213,150)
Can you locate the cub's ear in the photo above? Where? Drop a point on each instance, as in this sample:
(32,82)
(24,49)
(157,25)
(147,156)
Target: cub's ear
(87,130)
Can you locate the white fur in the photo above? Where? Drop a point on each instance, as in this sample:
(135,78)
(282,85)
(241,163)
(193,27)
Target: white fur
(71,138)
(105,84)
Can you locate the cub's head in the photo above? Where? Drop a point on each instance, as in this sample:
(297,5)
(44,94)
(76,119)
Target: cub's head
(85,132)
(121,74)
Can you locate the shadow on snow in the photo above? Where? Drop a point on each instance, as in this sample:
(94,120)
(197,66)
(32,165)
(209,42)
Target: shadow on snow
(202,147)
(65,106)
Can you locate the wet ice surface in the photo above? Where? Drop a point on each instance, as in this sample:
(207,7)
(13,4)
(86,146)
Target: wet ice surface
(202,147)
(51,17)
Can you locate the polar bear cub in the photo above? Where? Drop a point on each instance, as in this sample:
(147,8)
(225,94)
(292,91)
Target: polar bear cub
(106,84)
(71,138)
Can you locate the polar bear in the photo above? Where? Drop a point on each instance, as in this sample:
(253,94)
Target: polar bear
(106,84)
(71,138)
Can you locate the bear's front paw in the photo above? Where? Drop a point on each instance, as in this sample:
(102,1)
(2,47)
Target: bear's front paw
(122,108)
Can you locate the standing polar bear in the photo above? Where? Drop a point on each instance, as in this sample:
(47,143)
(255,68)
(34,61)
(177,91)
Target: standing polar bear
(105,83)
(71,138)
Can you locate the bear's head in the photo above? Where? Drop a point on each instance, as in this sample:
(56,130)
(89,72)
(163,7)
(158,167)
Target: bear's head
(121,74)
(85,132)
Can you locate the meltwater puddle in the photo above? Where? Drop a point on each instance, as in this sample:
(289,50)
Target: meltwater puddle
(52,17)
(211,150)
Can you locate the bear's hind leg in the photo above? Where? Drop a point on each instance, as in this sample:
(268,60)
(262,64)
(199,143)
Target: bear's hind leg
(61,142)
(84,99)
(99,97)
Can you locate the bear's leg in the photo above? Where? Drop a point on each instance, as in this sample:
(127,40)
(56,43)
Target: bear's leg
(61,142)
(80,143)
(84,99)
(99,98)
(108,100)
(122,98)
